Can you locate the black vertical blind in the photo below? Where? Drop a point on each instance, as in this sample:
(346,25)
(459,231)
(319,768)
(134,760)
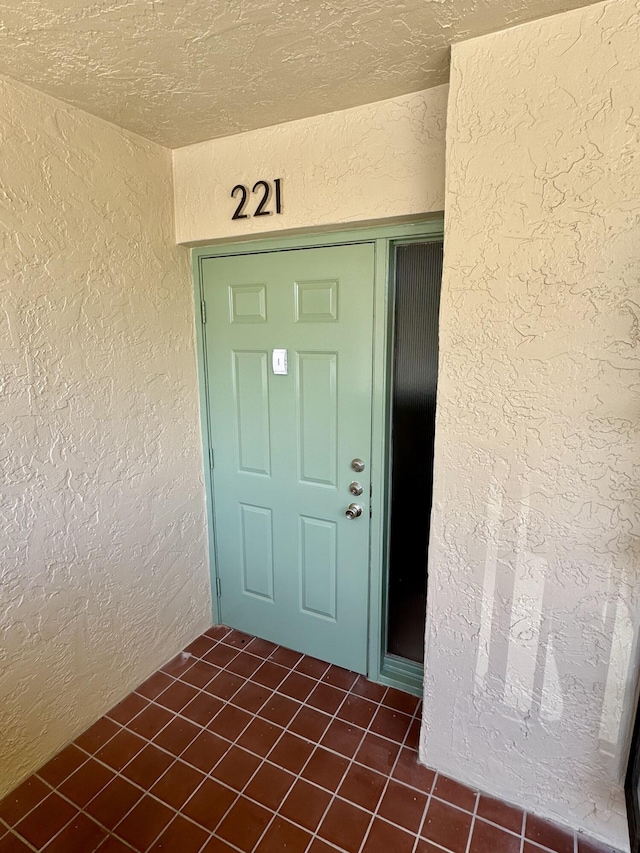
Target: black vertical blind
(415,374)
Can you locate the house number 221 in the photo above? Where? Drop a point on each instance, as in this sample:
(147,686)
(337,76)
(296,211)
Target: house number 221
(264,191)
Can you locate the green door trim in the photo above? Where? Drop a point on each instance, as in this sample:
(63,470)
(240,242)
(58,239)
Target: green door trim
(382,668)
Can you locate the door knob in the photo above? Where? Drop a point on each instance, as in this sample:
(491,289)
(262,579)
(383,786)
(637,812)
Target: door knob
(355,488)
(357,465)
(353,511)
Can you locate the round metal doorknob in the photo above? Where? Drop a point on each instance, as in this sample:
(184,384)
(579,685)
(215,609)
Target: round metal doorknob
(353,511)
(357,465)
(355,488)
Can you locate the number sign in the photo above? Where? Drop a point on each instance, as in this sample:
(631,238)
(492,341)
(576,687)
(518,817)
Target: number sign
(262,188)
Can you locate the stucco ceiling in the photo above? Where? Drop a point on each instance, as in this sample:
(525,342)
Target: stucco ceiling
(181,71)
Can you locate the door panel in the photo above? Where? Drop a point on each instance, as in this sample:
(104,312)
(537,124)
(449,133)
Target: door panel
(293,568)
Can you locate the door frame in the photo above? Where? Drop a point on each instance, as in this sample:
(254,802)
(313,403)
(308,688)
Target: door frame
(394,672)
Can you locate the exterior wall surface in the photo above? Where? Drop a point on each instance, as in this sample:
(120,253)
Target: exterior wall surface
(531,654)
(383,161)
(103,573)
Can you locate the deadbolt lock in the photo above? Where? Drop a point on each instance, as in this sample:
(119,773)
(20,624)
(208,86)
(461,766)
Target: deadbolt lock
(357,465)
(353,511)
(355,488)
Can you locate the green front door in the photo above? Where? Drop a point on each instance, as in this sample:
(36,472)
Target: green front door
(292,567)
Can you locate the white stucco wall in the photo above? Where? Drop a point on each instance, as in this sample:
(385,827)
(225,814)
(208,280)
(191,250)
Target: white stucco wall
(103,571)
(383,161)
(531,663)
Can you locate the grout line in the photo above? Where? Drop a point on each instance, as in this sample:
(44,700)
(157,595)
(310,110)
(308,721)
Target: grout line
(473,823)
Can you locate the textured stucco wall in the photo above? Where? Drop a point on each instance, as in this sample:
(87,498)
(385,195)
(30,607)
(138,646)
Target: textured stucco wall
(102,530)
(531,661)
(381,161)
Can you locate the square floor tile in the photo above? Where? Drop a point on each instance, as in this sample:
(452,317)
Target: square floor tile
(230,722)
(486,838)
(548,835)
(209,804)
(99,734)
(244,824)
(24,798)
(325,769)
(244,665)
(305,804)
(297,686)
(225,685)
(113,802)
(154,685)
(147,766)
(390,724)
(336,676)
(291,752)
(502,813)
(217,632)
(176,696)
(270,674)
(176,786)
(113,845)
(144,823)
(309,723)
(401,701)
(269,786)
(384,838)
(62,765)
(312,667)
(362,786)
(200,646)
(280,709)
(179,664)
(343,738)
(454,792)
(285,657)
(404,806)
(262,648)
(320,846)
(202,709)
(82,835)
(12,844)
(251,696)
(181,836)
(284,836)
(345,825)
(127,709)
(83,785)
(326,698)
(368,689)
(408,770)
(46,820)
(120,749)
(259,736)
(220,655)
(236,768)
(200,674)
(378,753)
(177,735)
(357,710)
(237,639)
(205,751)
(150,721)
(446,825)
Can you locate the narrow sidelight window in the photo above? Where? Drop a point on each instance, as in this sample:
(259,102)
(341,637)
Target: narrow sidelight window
(418,272)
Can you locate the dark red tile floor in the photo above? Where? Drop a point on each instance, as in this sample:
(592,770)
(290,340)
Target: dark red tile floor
(240,745)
